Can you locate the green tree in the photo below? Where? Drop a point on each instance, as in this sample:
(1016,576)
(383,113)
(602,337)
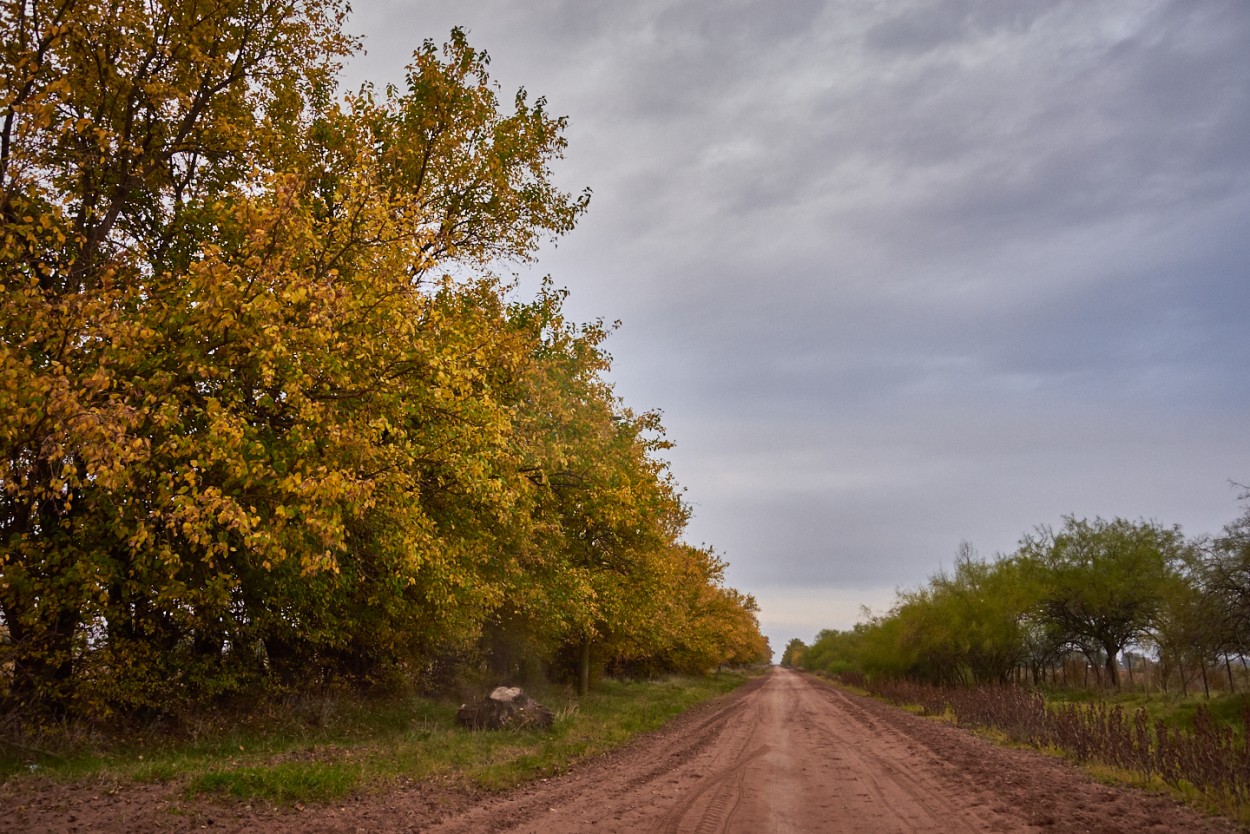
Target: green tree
(964,627)
(837,652)
(1187,631)
(1224,576)
(1104,582)
(794,653)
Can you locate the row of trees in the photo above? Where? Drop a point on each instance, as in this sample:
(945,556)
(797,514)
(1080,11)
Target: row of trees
(1090,589)
(267,415)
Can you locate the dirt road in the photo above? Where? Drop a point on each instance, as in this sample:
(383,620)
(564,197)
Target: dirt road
(797,755)
(785,753)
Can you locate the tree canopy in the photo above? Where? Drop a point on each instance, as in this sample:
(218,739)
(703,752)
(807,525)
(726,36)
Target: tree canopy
(1091,589)
(269,414)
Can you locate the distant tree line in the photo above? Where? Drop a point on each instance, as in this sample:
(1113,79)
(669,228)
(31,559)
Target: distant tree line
(1090,590)
(268,417)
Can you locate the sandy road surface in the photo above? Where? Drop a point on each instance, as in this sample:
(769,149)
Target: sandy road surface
(797,755)
(785,753)
(792,755)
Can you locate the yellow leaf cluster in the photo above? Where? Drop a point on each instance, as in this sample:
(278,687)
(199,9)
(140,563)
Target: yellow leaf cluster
(251,425)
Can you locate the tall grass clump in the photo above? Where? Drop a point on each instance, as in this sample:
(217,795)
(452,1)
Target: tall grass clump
(1209,757)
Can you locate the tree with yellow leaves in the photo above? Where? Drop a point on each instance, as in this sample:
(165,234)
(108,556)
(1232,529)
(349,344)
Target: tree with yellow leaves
(254,431)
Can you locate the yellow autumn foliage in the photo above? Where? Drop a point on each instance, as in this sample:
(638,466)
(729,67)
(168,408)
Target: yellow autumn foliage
(268,417)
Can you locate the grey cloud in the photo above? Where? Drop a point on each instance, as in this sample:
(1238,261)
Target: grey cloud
(923,27)
(904,274)
(756,24)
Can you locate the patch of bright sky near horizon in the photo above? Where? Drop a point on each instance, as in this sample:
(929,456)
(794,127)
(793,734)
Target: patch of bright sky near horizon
(899,274)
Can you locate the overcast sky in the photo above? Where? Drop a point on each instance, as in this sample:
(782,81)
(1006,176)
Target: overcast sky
(899,274)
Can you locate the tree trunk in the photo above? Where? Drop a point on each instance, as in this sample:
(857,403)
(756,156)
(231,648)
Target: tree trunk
(1113,668)
(583,668)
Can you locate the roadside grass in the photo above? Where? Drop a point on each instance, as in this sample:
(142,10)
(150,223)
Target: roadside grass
(1175,710)
(356,745)
(1223,805)
(284,782)
(1210,745)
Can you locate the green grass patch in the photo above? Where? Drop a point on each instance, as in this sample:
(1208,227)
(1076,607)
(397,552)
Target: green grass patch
(284,782)
(289,755)
(1176,711)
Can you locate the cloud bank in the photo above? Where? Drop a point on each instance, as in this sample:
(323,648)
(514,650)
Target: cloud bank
(901,274)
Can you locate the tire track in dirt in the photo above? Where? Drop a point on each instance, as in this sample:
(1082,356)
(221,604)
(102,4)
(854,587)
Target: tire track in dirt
(866,777)
(725,788)
(609,797)
(798,755)
(874,773)
(780,757)
(887,761)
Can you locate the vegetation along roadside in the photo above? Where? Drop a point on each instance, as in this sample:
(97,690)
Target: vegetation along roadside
(1121,645)
(275,417)
(325,751)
